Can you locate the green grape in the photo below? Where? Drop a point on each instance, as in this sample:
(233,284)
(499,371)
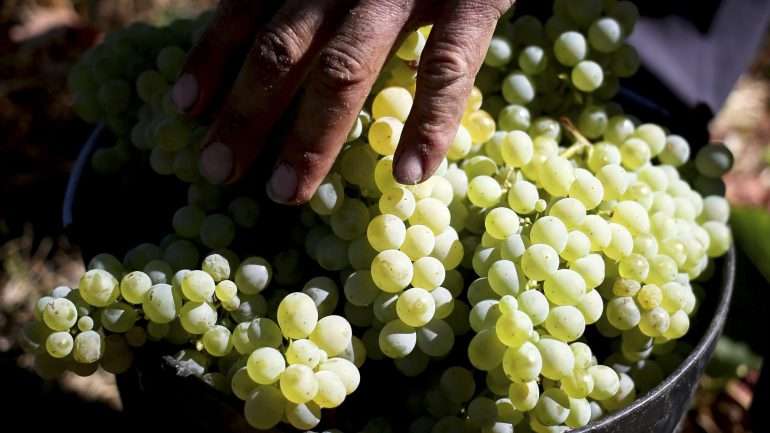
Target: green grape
(457,384)
(556,175)
(118,317)
(653,135)
(217,266)
(345,370)
(397,339)
(253,275)
(551,231)
(297,315)
(217,231)
(108,263)
(85,323)
(332,253)
(99,288)
(392,271)
(539,262)
(428,273)
(627,15)
(248,307)
(60,314)
(558,360)
(565,323)
(324,292)
(570,48)
(676,151)
(172,134)
(160,304)
(485,350)
(524,396)
(514,118)
(621,242)
(564,287)
(654,322)
(332,334)
(593,121)
(503,278)
(714,160)
(591,268)
(522,197)
(114,96)
(244,212)
(384,135)
(331,390)
(264,407)
(606,382)
(419,241)
(623,313)
(501,223)
(553,407)
(59,344)
(360,289)
(579,413)
(517,88)
(182,254)
(263,332)
(197,317)
(587,76)
(329,195)
(533,60)
(392,102)
(625,61)
(431,213)
(158,271)
(350,220)
(170,61)
(522,364)
(436,338)
(187,221)
(198,286)
(579,384)
(134,286)
(217,341)
(499,52)
(484,314)
(605,35)
(88,347)
(514,328)
(386,232)
(591,306)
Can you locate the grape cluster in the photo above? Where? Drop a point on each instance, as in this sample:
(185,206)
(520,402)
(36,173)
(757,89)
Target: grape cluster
(553,213)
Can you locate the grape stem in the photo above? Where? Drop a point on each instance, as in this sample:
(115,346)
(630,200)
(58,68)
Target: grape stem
(581,143)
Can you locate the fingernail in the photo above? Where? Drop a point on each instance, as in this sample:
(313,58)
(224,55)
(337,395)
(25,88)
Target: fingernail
(185,92)
(408,169)
(282,186)
(216,162)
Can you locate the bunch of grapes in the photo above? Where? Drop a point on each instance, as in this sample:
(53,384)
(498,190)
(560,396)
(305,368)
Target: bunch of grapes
(553,260)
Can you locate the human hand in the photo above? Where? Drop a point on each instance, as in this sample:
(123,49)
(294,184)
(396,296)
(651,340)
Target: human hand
(335,50)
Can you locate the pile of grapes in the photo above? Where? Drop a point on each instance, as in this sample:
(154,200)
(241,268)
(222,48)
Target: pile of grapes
(558,229)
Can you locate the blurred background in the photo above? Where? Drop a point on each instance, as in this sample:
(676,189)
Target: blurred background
(40,137)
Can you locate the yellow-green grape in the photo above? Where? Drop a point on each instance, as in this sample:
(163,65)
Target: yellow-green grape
(217,341)
(501,222)
(428,273)
(587,76)
(392,271)
(623,313)
(442,190)
(461,144)
(217,266)
(615,181)
(457,384)
(675,296)
(415,307)
(329,195)
(579,413)
(564,287)
(386,232)
(59,344)
(350,220)
(539,262)
(606,382)
(484,314)
(653,135)
(197,317)
(558,360)
(360,254)
(621,242)
(676,151)
(298,383)
(419,241)
(625,287)
(635,153)
(655,322)
(524,396)
(264,407)
(242,340)
(198,286)
(579,384)
(431,213)
(411,48)
(253,275)
(118,317)
(444,301)
(397,201)
(523,363)
(591,268)
(134,286)
(535,305)
(303,416)
(360,289)
(332,334)
(632,216)
(578,246)
(241,384)
(331,390)
(88,347)
(225,290)
(99,288)
(517,149)
(85,323)
(556,175)
(304,352)
(383,174)
(384,134)
(550,231)
(679,324)
(297,315)
(325,294)
(587,188)
(480,126)
(397,339)
(60,314)
(514,328)
(662,269)
(649,296)
(570,211)
(484,191)
(570,48)
(345,370)
(720,238)
(523,197)
(566,323)
(591,306)
(553,407)
(160,303)
(485,350)
(395,102)
(384,307)
(503,278)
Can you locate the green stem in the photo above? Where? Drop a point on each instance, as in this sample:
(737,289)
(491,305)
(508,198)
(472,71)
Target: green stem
(581,143)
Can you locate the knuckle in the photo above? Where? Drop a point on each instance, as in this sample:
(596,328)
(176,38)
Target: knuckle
(490,9)
(341,68)
(446,67)
(277,51)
